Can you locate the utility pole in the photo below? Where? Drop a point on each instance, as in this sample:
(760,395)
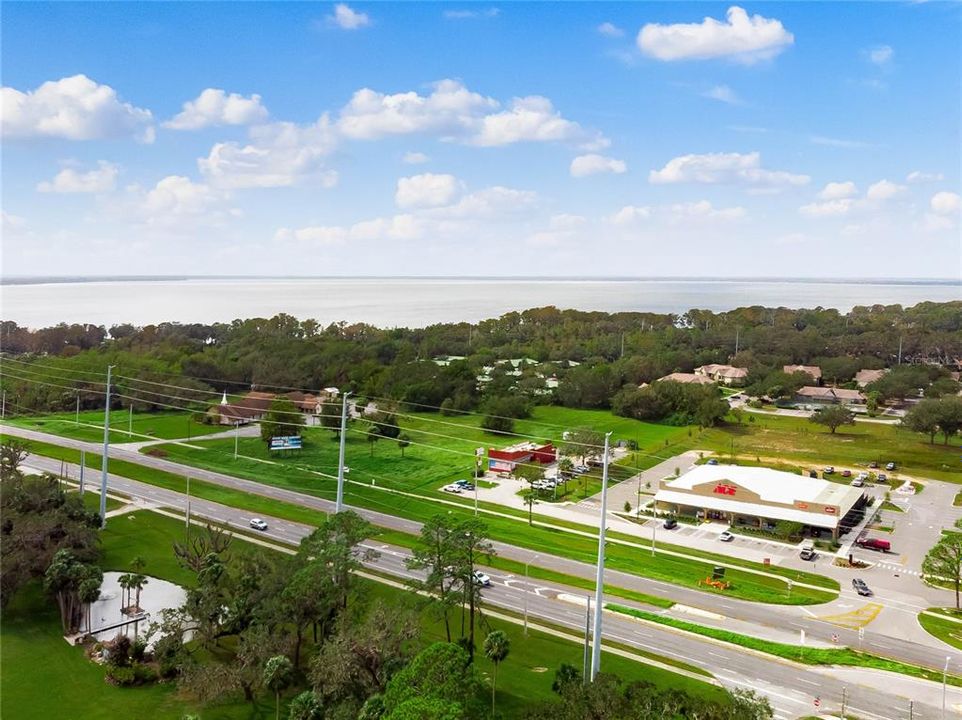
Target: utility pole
(130,421)
(77,421)
(622,345)
(600,579)
(654,526)
(587,631)
(736,339)
(103,472)
(843,702)
(236,436)
(900,349)
(83,463)
(339,503)
(3,406)
(945,672)
(527,589)
(187,512)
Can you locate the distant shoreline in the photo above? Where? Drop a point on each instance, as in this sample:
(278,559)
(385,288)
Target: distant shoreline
(83,279)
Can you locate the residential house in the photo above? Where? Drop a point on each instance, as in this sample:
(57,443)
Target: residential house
(688,378)
(867,377)
(813,371)
(828,395)
(723,374)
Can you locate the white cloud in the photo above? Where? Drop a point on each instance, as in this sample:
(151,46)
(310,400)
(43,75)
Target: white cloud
(704,209)
(471,14)
(561,228)
(610,30)
(724,94)
(316,236)
(278,155)
(883,190)
(829,208)
(11,222)
(946,203)
(70,180)
(724,168)
(493,203)
(744,39)
(415,158)
(629,214)
(455,113)
(592,164)
(73,108)
(347,19)
(838,142)
(427,190)
(676,213)
(880,55)
(917,176)
(216,107)
(838,191)
(174,203)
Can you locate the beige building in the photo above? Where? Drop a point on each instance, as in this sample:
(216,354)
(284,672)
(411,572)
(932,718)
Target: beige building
(724,374)
(690,378)
(839,396)
(866,377)
(755,496)
(813,371)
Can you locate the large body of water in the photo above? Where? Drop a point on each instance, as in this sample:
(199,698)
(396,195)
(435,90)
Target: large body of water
(416,302)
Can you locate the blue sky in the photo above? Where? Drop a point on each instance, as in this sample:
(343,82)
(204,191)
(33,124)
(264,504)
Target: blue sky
(692,139)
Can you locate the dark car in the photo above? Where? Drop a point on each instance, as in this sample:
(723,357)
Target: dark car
(873,465)
(670,524)
(860,587)
(813,473)
(713,461)
(882,478)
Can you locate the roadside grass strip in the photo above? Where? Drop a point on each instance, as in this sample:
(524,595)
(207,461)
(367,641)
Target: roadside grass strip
(943,624)
(794,653)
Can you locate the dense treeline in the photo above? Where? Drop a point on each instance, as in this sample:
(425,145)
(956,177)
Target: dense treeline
(593,355)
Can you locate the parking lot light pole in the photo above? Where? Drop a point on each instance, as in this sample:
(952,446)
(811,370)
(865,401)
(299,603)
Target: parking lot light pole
(654,527)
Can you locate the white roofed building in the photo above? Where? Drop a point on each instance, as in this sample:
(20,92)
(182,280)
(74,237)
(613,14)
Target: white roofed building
(755,496)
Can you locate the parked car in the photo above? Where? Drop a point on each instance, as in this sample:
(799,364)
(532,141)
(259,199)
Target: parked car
(882,478)
(726,537)
(465,484)
(828,470)
(874,544)
(452,488)
(846,473)
(890,466)
(813,473)
(581,469)
(873,465)
(481,579)
(860,587)
(258,524)
(863,476)
(713,461)
(670,524)
(858,482)
(808,552)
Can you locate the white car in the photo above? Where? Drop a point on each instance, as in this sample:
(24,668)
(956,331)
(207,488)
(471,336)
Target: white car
(258,524)
(481,579)
(726,537)
(456,489)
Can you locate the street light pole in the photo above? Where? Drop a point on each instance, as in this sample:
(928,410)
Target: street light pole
(945,672)
(339,503)
(187,513)
(587,631)
(600,579)
(654,527)
(103,472)
(236,437)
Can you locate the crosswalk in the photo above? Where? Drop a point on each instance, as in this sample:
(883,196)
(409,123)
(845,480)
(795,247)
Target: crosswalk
(898,568)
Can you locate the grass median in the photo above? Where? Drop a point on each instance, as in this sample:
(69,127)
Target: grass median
(944,624)
(804,655)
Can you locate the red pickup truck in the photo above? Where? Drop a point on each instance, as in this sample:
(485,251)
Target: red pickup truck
(874,544)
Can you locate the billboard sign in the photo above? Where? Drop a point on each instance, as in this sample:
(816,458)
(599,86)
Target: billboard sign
(286,442)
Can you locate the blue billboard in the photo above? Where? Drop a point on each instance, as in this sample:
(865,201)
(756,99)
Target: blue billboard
(286,442)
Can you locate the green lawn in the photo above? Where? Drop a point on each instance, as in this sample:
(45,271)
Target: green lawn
(812,446)
(806,655)
(162,426)
(946,630)
(44,677)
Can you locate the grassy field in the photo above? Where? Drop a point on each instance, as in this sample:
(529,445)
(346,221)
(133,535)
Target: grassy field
(805,655)
(946,630)
(549,541)
(798,440)
(42,676)
(162,426)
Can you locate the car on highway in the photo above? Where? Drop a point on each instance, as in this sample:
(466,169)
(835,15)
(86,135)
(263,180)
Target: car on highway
(670,524)
(860,587)
(452,488)
(890,466)
(581,469)
(713,461)
(726,537)
(480,578)
(258,524)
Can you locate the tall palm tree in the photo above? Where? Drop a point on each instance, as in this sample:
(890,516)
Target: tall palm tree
(497,645)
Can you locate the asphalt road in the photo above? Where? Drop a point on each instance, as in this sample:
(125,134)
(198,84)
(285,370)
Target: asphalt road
(791,688)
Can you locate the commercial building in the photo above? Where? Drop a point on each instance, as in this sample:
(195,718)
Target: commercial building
(507,459)
(758,497)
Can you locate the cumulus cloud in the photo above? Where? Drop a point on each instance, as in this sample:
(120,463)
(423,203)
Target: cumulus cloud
(279,154)
(71,180)
(724,168)
(471,14)
(215,107)
(880,55)
(457,114)
(427,190)
(917,177)
(493,203)
(610,30)
(593,164)
(173,203)
(72,108)
(883,190)
(829,208)
(838,191)
(946,203)
(675,213)
(742,38)
(722,93)
(316,236)
(415,158)
(629,214)
(347,19)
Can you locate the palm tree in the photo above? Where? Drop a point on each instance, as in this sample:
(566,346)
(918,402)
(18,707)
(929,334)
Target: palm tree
(497,645)
(89,594)
(137,583)
(278,675)
(125,584)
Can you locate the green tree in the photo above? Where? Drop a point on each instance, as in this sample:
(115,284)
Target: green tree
(331,416)
(583,442)
(435,554)
(950,416)
(530,472)
(282,419)
(832,417)
(442,672)
(278,676)
(403,440)
(924,418)
(497,645)
(566,675)
(305,706)
(64,579)
(944,561)
(373,434)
